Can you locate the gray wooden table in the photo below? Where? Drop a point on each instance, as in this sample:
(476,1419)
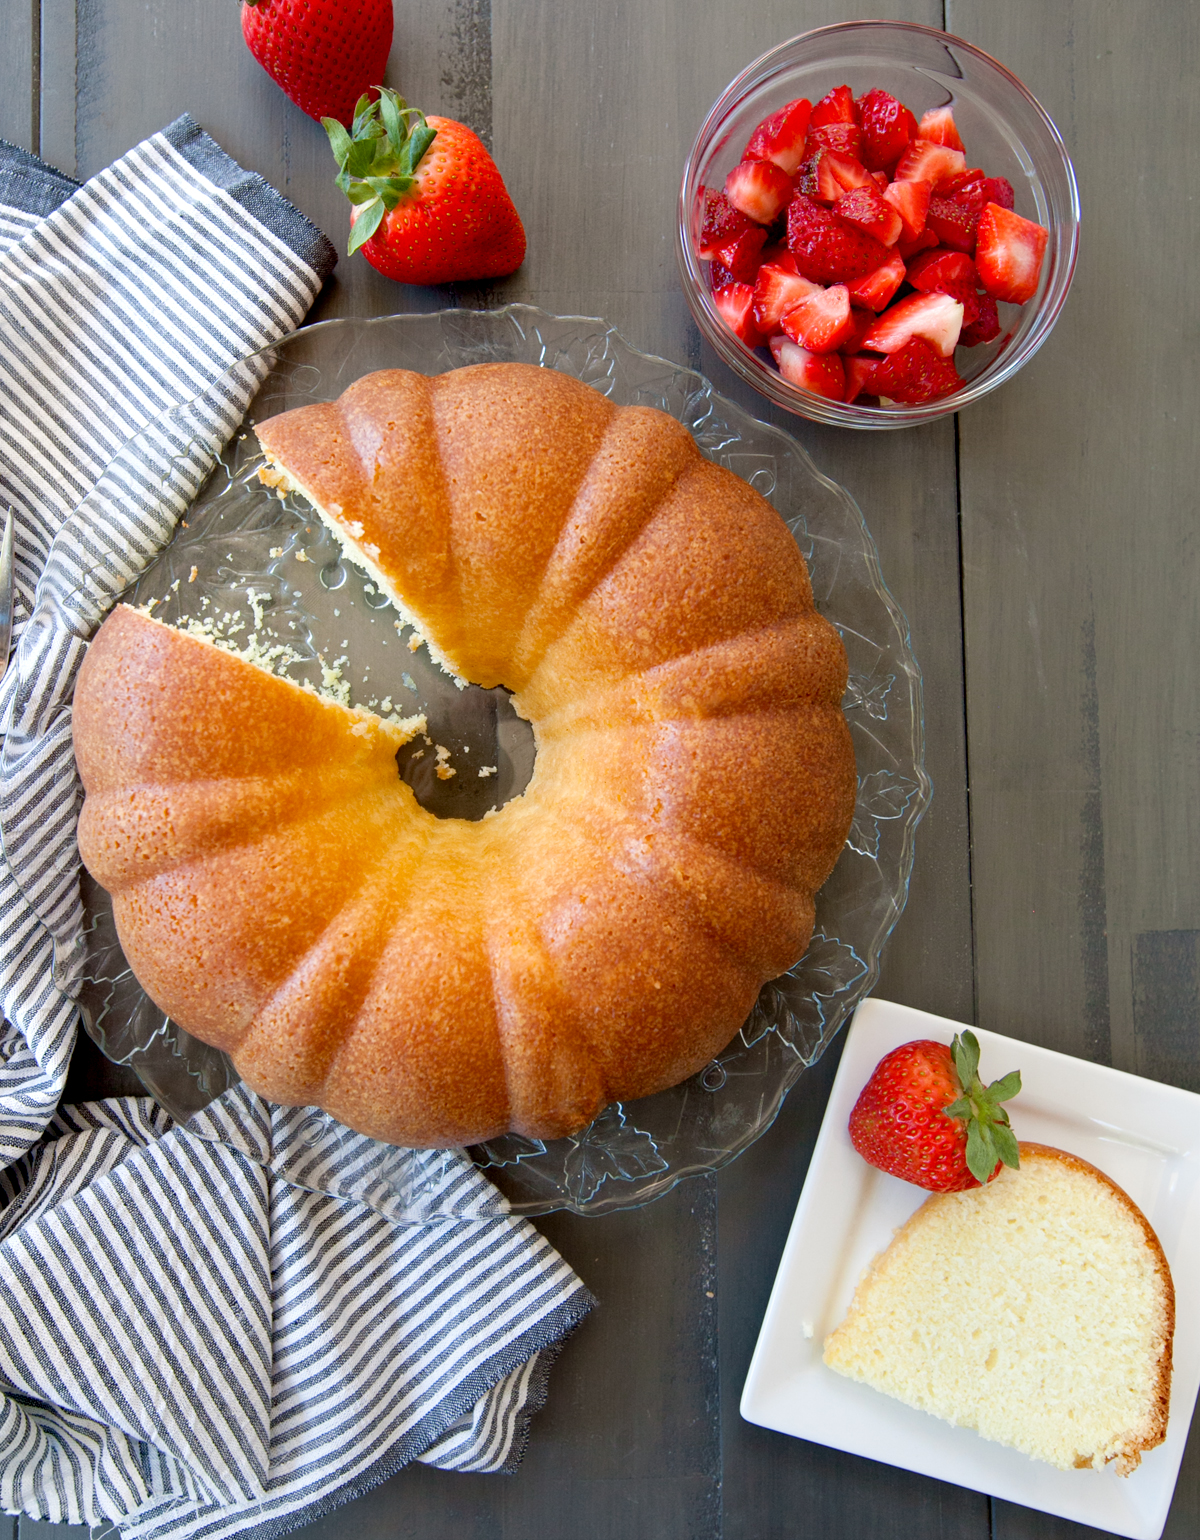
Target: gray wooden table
(1043,546)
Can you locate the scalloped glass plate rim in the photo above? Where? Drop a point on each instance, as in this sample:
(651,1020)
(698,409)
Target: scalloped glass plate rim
(608,1195)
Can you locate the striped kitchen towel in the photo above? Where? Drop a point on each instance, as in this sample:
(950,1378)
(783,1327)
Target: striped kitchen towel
(228,1326)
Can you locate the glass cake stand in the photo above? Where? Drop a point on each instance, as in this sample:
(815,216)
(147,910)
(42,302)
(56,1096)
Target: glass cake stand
(244,559)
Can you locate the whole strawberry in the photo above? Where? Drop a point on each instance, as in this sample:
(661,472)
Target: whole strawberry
(926,1117)
(323,53)
(429,204)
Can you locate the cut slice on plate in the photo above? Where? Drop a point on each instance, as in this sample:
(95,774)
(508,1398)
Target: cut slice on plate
(1038,1310)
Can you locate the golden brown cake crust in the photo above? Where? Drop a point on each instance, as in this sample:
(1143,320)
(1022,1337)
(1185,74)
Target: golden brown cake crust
(280,893)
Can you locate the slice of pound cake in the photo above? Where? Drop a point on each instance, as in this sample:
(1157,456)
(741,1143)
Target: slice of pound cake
(1037,1310)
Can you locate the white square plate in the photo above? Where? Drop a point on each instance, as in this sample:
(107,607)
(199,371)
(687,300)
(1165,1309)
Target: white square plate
(1144,1135)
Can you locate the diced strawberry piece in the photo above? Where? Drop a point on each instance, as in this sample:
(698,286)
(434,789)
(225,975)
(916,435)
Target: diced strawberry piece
(821,323)
(876,290)
(937,126)
(859,370)
(914,373)
(881,180)
(735,301)
(828,250)
(861,322)
(780,138)
(743,256)
(1008,254)
(845,138)
(921,242)
(836,107)
(722,224)
(816,179)
(947,272)
(778,290)
(935,317)
(911,202)
(780,256)
(998,189)
(847,171)
(759,189)
(986,325)
(822,373)
(865,208)
(924,161)
(887,127)
(719,275)
(953,221)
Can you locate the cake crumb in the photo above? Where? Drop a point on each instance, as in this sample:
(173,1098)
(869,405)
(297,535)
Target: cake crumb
(486,771)
(444,771)
(192,574)
(414,643)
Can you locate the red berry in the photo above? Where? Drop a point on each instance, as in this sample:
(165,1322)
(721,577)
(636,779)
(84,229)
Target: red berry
(920,1107)
(887,127)
(780,138)
(1009,254)
(324,54)
(913,374)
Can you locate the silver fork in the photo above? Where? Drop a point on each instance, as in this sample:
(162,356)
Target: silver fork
(6,591)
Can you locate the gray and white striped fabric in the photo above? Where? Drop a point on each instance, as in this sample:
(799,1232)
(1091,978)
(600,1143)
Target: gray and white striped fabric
(225,1327)
(218,1329)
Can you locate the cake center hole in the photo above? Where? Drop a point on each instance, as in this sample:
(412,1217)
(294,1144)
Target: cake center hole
(479,753)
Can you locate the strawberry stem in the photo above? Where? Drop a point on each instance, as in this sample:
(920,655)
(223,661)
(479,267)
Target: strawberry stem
(378,157)
(990,1139)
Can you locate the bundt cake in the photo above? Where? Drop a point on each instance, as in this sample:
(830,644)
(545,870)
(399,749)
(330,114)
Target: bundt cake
(279,892)
(1038,1310)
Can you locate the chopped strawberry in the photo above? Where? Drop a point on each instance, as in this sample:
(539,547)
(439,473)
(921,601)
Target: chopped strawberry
(935,317)
(865,208)
(877,288)
(828,250)
(743,255)
(835,107)
(822,373)
(722,224)
(861,322)
(998,189)
(759,189)
(821,323)
(986,325)
(776,291)
(845,138)
(881,180)
(780,138)
(947,272)
(816,179)
(1008,254)
(924,161)
(911,202)
(887,127)
(719,276)
(937,126)
(859,369)
(735,301)
(914,373)
(921,242)
(780,256)
(954,221)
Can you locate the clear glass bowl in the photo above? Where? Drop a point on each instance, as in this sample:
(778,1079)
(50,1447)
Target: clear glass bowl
(242,547)
(1006,132)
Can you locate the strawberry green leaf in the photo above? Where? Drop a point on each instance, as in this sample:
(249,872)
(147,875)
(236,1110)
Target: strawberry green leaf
(1005,1142)
(339,140)
(965,1052)
(389,113)
(1005,1089)
(981,1152)
(366,225)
